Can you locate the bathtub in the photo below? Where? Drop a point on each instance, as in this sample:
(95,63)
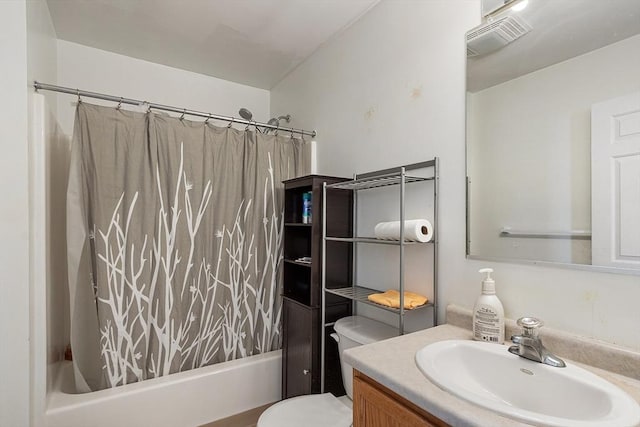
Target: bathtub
(185,399)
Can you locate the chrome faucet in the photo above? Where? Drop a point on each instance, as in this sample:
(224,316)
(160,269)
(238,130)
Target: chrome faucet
(529,345)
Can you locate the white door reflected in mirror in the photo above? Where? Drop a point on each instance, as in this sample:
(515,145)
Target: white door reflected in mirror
(615,188)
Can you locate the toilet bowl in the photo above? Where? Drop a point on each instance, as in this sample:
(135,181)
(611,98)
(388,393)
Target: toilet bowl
(326,410)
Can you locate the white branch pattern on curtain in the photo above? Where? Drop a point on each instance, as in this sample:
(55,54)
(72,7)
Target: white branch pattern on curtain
(148,332)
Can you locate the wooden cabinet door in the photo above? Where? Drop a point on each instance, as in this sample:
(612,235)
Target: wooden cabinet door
(297,349)
(374,406)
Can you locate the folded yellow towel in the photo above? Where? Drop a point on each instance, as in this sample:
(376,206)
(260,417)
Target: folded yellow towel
(391,298)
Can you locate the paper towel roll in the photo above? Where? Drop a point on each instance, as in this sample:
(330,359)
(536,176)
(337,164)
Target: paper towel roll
(415,230)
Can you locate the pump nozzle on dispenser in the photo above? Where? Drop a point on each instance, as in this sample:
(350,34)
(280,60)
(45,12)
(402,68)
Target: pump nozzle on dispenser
(488,271)
(488,284)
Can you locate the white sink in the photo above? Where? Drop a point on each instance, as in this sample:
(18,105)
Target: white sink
(489,376)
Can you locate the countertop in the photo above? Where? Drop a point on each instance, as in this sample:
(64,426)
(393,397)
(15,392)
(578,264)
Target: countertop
(391,363)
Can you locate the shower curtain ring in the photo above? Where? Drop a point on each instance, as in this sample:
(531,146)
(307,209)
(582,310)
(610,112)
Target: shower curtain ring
(78,93)
(291,130)
(233,119)
(119,104)
(184,111)
(207,119)
(277,129)
(247,128)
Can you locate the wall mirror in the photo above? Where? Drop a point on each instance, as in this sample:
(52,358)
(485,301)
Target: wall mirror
(553,134)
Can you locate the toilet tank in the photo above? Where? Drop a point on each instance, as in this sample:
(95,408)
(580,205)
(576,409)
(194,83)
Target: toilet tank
(354,331)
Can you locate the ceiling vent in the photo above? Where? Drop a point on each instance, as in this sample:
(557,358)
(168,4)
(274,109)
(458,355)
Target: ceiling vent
(495,35)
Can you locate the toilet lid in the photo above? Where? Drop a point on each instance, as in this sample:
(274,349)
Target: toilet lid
(315,410)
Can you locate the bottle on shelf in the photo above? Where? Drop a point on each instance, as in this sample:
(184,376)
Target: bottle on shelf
(306,207)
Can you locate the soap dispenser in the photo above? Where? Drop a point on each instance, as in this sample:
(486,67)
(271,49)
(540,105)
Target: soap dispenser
(488,313)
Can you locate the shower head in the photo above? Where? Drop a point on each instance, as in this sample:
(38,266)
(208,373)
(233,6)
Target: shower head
(245,114)
(275,121)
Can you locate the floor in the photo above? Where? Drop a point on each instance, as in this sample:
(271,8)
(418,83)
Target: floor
(250,418)
(245,419)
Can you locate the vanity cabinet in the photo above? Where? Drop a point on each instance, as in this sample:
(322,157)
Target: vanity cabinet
(302,284)
(374,405)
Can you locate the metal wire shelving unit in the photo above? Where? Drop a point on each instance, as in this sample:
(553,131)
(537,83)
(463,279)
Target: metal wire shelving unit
(356,292)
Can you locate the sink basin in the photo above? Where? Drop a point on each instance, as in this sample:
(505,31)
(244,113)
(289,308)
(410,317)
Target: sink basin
(491,377)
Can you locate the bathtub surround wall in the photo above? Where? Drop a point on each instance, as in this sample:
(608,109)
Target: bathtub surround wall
(398,75)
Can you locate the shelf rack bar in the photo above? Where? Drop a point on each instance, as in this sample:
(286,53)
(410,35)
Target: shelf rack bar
(402,243)
(436,236)
(374,241)
(354,247)
(421,165)
(385,177)
(377,182)
(360,294)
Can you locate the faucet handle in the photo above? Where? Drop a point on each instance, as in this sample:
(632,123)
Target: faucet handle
(530,326)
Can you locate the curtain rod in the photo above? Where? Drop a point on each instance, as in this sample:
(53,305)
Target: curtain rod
(120,100)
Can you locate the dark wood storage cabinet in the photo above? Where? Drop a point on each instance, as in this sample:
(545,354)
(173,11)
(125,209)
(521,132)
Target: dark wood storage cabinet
(302,284)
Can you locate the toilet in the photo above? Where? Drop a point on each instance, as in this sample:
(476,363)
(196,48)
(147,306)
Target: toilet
(326,410)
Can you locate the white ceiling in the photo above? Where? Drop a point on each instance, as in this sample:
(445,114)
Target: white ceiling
(253,42)
(562,29)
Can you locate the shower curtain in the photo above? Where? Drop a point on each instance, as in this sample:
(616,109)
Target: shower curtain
(174,233)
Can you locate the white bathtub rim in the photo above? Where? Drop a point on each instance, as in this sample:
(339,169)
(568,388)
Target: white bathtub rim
(59,401)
